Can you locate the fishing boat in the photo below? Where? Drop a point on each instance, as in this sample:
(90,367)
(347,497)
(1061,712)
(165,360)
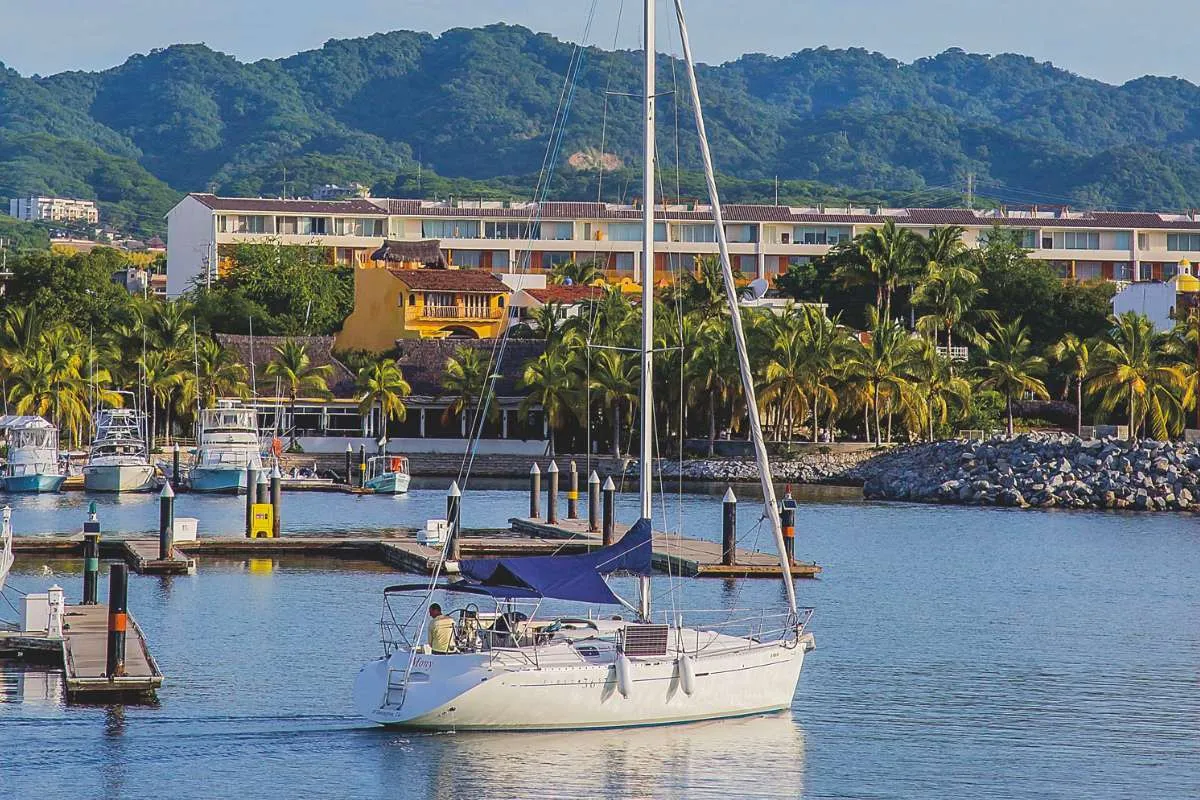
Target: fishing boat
(227,444)
(32,456)
(510,668)
(119,458)
(387,474)
(6,545)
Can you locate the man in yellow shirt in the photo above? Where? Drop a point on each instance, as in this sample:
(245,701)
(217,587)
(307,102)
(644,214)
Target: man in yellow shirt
(441,631)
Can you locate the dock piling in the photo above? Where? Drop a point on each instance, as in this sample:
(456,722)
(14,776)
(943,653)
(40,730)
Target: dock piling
(349,465)
(535,492)
(593,502)
(552,493)
(175,466)
(609,493)
(362,466)
(573,492)
(251,488)
(91,556)
(729,528)
(118,619)
(787,520)
(166,522)
(453,521)
(276,500)
(262,494)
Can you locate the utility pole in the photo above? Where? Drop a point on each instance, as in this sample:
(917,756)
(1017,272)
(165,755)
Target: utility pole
(776,190)
(970,190)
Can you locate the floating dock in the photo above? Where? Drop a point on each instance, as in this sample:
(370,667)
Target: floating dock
(81,652)
(674,554)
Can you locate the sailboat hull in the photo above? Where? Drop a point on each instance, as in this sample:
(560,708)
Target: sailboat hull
(217,481)
(475,692)
(33,484)
(118,477)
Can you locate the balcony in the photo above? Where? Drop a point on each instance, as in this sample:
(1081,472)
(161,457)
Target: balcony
(445,313)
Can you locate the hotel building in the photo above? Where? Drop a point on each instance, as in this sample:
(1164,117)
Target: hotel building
(523,238)
(53,209)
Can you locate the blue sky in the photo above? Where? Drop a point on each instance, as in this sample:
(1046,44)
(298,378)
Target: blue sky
(1105,39)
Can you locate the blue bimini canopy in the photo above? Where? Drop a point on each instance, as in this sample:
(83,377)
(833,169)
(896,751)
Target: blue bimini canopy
(578,577)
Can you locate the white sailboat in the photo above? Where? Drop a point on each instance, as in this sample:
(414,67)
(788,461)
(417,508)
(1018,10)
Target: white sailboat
(505,669)
(6,544)
(119,460)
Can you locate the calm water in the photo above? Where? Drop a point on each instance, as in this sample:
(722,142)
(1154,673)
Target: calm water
(961,653)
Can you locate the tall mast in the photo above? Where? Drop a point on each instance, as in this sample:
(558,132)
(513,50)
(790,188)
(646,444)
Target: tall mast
(646,477)
(739,334)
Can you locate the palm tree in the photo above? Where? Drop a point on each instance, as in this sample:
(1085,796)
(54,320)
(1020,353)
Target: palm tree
(466,380)
(883,366)
(552,377)
(885,257)
(941,388)
(784,373)
(950,291)
(614,376)
(582,273)
(293,365)
(382,385)
(712,366)
(1009,367)
(215,372)
(1140,368)
(1074,356)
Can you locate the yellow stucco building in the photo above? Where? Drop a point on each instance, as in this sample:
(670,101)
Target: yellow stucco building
(422,303)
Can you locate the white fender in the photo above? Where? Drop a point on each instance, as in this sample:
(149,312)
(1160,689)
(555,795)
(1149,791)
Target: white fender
(687,674)
(624,675)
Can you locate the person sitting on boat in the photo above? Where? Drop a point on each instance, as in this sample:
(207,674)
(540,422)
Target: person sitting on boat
(441,631)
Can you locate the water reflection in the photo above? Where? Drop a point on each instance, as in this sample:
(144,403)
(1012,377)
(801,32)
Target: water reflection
(665,761)
(30,686)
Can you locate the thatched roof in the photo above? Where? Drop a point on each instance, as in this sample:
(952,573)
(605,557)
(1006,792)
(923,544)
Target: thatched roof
(319,349)
(423,251)
(424,362)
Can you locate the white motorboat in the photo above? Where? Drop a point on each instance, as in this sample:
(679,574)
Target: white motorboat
(6,544)
(387,474)
(505,669)
(118,460)
(227,445)
(33,463)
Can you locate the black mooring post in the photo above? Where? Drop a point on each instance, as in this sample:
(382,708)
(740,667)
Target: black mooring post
(454,521)
(573,492)
(729,528)
(609,493)
(349,465)
(276,501)
(552,494)
(594,502)
(362,466)
(118,619)
(175,466)
(535,492)
(787,521)
(91,557)
(166,522)
(263,494)
(251,496)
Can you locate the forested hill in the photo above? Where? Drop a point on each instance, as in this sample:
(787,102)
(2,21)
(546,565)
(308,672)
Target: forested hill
(479,104)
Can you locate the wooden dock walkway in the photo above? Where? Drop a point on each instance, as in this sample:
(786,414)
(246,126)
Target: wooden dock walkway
(678,555)
(142,557)
(82,653)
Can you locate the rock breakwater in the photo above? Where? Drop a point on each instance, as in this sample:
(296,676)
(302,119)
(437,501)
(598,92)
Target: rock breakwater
(1042,471)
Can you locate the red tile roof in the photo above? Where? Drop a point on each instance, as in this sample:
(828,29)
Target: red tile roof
(567,295)
(451,280)
(356,206)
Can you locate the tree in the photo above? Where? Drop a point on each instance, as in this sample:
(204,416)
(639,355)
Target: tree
(466,380)
(215,373)
(552,378)
(883,365)
(1135,366)
(885,258)
(1009,367)
(950,291)
(580,273)
(1073,355)
(712,366)
(614,377)
(382,385)
(943,391)
(293,365)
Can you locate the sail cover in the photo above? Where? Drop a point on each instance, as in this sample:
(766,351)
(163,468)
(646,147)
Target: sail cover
(578,577)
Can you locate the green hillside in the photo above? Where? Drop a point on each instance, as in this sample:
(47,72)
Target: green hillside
(476,107)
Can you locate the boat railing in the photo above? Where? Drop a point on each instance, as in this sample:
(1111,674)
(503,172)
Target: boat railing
(706,632)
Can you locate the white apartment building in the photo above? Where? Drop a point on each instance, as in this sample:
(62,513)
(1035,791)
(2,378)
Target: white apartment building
(527,238)
(53,209)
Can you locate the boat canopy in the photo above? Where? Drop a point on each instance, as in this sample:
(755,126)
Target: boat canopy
(576,577)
